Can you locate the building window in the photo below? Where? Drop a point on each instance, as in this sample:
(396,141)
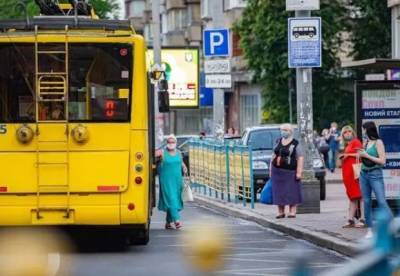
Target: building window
(136,8)
(205,9)
(164,23)
(176,19)
(234,4)
(249,110)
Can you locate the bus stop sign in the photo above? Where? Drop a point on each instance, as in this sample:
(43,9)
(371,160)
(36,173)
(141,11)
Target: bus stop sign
(304,42)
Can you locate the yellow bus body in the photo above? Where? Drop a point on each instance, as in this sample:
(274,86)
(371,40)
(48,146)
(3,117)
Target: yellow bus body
(101,188)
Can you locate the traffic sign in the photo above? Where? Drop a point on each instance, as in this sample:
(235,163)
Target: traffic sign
(215,66)
(216,43)
(302,5)
(219,81)
(304,41)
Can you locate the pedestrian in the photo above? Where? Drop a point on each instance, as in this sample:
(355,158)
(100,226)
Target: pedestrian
(322,144)
(351,183)
(230,132)
(333,141)
(371,178)
(171,183)
(286,172)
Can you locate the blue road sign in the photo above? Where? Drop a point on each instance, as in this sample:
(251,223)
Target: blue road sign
(304,41)
(216,43)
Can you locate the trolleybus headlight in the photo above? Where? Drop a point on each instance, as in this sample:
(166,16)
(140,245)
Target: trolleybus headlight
(138,180)
(24,134)
(80,134)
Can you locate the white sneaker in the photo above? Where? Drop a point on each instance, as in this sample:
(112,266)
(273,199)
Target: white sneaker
(369,234)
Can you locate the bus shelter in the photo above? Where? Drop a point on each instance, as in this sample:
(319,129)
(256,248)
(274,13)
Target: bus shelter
(379,101)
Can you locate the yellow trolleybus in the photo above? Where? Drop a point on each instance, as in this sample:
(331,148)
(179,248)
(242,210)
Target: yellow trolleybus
(75,133)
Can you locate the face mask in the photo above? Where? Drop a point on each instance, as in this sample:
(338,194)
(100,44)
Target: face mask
(348,137)
(365,137)
(285,134)
(171,146)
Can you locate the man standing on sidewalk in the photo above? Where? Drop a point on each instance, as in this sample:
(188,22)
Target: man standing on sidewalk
(333,140)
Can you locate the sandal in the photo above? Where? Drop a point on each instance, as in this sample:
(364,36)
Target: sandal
(168,226)
(280,216)
(361,224)
(291,216)
(350,224)
(178,225)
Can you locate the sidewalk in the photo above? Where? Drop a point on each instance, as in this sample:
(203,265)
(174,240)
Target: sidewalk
(324,229)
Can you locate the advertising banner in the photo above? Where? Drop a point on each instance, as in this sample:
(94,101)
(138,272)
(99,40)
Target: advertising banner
(181,66)
(380,102)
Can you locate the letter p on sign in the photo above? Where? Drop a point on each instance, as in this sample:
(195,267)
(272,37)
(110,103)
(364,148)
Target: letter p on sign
(216,43)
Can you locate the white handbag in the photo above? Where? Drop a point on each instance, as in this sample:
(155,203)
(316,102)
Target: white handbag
(187,194)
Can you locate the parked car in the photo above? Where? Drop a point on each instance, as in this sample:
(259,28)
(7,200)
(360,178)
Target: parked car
(262,139)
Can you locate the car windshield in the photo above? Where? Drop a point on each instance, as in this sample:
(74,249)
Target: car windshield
(265,139)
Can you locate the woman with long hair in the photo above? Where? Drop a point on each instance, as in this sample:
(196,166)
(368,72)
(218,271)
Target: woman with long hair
(371,178)
(349,158)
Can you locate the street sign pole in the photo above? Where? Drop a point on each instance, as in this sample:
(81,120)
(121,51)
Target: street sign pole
(305,108)
(216,44)
(158,120)
(311,186)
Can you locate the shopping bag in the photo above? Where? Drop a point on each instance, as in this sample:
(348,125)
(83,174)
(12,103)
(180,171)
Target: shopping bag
(187,194)
(266,193)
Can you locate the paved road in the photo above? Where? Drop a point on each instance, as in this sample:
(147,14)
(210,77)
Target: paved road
(254,251)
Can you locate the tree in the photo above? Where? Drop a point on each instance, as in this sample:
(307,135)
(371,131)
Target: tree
(370,29)
(263,32)
(10,9)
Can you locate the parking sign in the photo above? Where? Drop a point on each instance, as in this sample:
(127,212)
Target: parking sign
(216,43)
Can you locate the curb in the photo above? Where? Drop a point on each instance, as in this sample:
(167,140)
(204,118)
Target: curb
(320,239)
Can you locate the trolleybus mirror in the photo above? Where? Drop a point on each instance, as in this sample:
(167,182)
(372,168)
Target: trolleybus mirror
(163,101)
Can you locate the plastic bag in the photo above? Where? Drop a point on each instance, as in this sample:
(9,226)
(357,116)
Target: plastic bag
(266,193)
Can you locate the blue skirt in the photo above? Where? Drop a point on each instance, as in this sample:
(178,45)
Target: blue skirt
(286,190)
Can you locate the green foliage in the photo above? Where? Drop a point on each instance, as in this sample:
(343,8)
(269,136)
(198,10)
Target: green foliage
(370,29)
(103,8)
(263,32)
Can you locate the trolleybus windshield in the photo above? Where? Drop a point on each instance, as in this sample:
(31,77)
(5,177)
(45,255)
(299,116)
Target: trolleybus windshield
(99,88)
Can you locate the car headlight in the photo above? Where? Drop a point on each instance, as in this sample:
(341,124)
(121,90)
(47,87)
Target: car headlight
(260,165)
(317,163)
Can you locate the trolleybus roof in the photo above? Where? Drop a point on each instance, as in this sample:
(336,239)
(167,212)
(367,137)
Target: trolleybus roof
(60,22)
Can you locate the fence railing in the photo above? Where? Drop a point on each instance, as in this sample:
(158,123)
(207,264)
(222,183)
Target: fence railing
(222,170)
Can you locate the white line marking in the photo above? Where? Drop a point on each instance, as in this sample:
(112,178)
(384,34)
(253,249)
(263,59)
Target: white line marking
(53,263)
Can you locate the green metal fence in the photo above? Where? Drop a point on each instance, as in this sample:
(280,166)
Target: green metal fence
(222,170)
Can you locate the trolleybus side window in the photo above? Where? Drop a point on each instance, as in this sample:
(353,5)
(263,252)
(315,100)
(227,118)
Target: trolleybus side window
(100,82)
(17,71)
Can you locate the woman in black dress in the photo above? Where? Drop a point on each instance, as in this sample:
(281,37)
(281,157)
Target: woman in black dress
(286,172)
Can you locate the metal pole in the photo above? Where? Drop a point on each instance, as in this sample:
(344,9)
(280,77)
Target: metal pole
(290,88)
(157,61)
(305,109)
(219,112)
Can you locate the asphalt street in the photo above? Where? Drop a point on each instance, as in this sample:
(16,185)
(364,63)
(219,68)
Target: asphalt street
(253,250)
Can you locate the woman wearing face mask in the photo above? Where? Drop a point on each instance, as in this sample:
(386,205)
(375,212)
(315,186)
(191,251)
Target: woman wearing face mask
(352,185)
(286,172)
(371,178)
(171,183)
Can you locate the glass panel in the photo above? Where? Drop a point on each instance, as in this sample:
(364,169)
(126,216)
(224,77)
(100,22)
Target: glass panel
(100,82)
(17,71)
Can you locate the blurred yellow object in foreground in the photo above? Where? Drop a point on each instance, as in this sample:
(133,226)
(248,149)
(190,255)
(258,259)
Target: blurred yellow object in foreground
(205,245)
(26,252)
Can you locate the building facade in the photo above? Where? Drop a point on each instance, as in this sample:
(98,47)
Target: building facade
(182,24)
